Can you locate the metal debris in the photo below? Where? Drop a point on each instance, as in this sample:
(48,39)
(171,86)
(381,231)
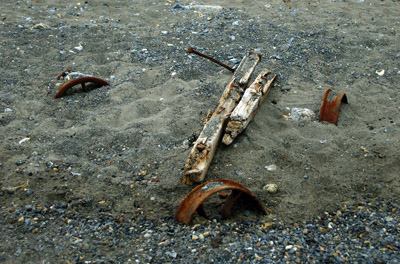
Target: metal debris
(194,199)
(74,78)
(192,50)
(330,108)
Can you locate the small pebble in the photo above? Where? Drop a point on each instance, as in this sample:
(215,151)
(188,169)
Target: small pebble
(178,6)
(271,167)
(23,140)
(235,61)
(79,48)
(271,188)
(172,254)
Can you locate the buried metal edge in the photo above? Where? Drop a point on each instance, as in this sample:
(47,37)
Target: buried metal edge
(195,198)
(329,111)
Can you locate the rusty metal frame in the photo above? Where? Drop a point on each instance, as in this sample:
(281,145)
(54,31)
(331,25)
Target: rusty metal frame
(330,109)
(194,199)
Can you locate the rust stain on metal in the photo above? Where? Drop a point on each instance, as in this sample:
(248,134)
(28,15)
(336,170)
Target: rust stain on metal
(330,108)
(62,89)
(194,199)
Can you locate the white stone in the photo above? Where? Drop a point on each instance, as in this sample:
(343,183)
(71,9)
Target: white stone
(23,140)
(302,114)
(271,188)
(79,48)
(271,167)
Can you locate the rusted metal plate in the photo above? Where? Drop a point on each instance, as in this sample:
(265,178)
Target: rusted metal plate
(194,199)
(330,108)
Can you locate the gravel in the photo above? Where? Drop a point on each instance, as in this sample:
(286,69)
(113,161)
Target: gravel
(367,233)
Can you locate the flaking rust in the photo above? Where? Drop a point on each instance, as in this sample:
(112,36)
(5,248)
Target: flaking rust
(204,147)
(193,202)
(329,111)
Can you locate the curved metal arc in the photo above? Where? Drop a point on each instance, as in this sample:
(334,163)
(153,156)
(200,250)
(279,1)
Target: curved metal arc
(329,110)
(195,198)
(63,88)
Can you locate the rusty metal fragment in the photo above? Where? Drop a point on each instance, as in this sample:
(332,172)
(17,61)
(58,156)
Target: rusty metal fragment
(194,199)
(192,50)
(330,107)
(74,78)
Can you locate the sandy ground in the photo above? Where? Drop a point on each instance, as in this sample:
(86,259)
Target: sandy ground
(99,152)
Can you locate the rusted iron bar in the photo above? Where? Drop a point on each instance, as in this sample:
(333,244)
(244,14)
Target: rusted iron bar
(192,50)
(195,198)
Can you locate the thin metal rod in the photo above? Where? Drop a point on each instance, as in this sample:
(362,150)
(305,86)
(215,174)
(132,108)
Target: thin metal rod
(192,50)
